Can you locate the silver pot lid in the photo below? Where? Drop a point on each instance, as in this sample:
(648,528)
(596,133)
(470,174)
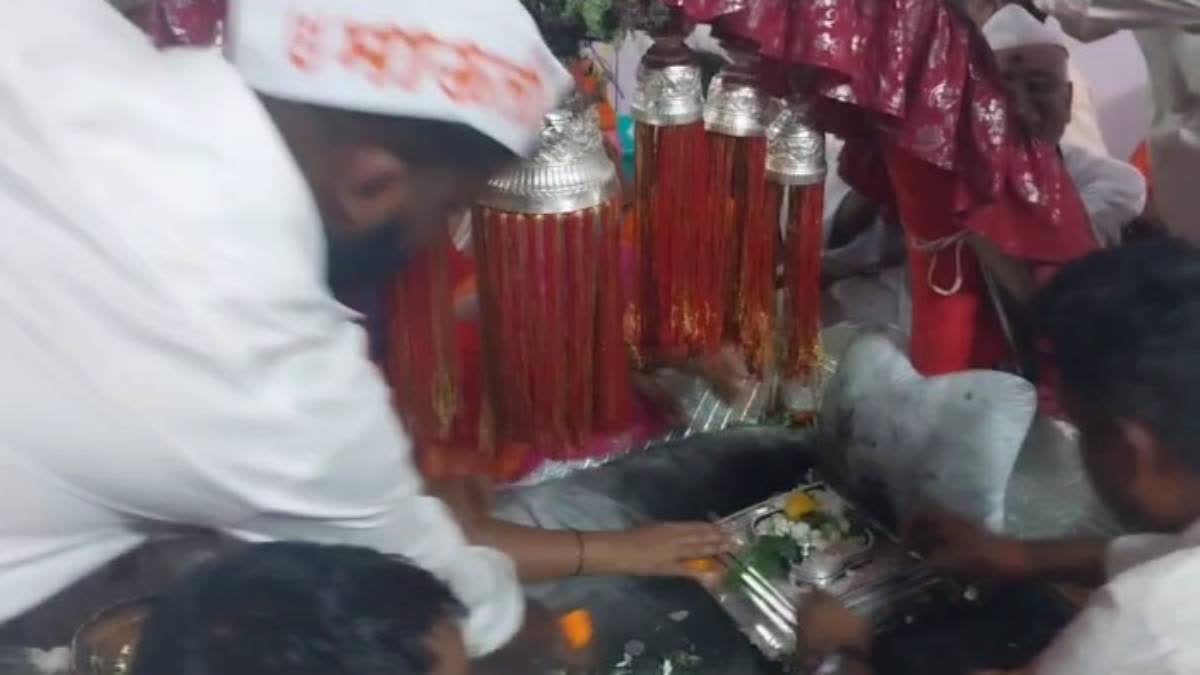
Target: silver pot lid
(669,96)
(795,147)
(569,172)
(735,107)
(670,88)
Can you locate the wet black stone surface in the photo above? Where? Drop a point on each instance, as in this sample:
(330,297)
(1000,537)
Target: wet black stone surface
(1006,632)
(721,474)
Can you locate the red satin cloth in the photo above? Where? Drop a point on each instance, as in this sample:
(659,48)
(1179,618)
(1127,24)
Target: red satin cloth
(916,75)
(190,23)
(950,332)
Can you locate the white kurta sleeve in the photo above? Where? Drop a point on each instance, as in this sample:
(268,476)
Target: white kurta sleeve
(1104,638)
(295,439)
(1143,621)
(1132,550)
(1113,192)
(1093,19)
(356,484)
(327,461)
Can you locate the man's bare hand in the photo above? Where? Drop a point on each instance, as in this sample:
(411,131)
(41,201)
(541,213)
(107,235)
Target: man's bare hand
(726,372)
(469,499)
(668,549)
(825,625)
(961,547)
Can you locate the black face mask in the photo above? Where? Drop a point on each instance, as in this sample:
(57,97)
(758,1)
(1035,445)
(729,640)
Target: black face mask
(367,259)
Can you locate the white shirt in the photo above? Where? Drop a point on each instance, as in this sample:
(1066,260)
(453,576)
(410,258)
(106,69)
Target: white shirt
(1144,621)
(1173,59)
(1113,192)
(170,352)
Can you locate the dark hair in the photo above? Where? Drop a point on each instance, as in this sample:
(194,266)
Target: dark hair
(1123,327)
(424,142)
(297,609)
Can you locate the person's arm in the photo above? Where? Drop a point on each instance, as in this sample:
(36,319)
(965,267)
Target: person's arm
(1093,19)
(656,550)
(544,555)
(1080,561)
(831,639)
(962,547)
(1113,192)
(854,216)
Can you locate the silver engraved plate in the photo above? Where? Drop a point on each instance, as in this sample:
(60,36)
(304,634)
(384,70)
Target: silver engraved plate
(735,107)
(569,172)
(795,147)
(871,573)
(669,96)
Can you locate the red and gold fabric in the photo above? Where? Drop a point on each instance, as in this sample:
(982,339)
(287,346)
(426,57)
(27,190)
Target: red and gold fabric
(913,88)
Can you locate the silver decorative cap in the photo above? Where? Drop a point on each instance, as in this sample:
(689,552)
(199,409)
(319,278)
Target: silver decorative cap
(569,172)
(735,107)
(669,96)
(795,147)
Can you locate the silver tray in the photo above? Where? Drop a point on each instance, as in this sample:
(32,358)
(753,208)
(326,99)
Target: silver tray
(874,576)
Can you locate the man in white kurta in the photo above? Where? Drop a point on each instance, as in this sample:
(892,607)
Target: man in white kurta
(1084,129)
(1034,59)
(1166,30)
(171,353)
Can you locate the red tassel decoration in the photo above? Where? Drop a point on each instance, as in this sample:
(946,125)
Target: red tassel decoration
(420,361)
(796,170)
(739,216)
(744,246)
(805,207)
(677,312)
(613,381)
(557,366)
(674,312)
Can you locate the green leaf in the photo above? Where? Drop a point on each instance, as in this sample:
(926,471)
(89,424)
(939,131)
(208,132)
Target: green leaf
(595,17)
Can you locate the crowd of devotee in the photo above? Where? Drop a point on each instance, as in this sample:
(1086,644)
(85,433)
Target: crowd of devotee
(313,309)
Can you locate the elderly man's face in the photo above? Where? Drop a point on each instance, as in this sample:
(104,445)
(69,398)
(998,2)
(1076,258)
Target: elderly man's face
(1037,77)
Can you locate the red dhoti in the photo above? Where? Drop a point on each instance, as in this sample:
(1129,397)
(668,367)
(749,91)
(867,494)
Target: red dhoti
(954,324)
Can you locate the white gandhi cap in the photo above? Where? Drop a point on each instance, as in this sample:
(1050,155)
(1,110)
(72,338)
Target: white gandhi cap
(482,63)
(1012,26)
